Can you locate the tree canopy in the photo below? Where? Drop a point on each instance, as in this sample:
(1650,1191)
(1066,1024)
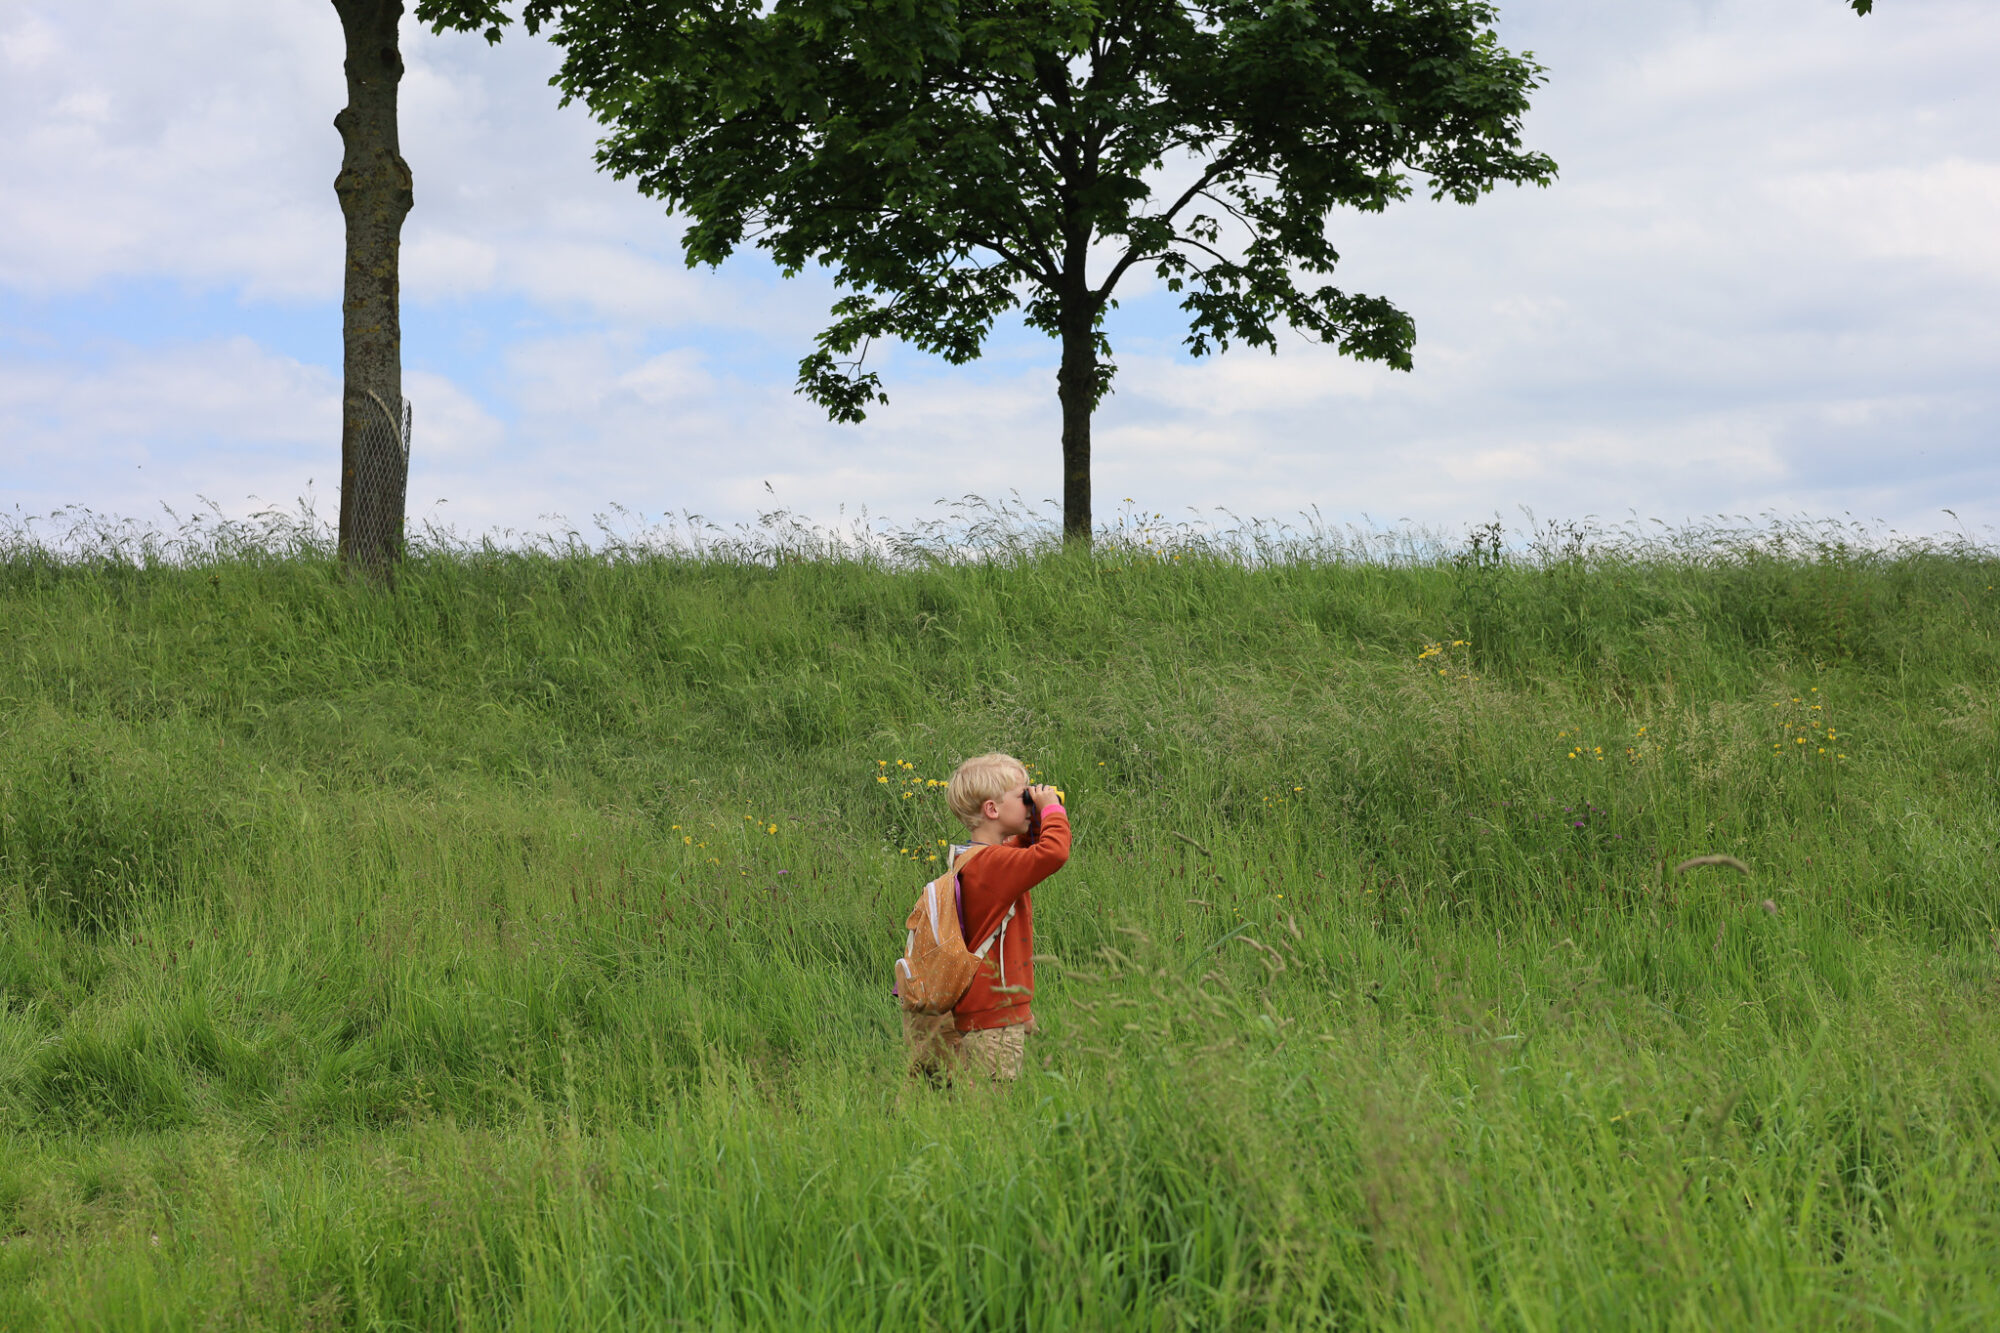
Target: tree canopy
(951,160)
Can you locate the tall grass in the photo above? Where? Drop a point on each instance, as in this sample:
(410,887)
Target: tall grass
(510,947)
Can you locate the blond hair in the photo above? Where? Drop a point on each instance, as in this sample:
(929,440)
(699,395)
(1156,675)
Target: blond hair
(987,777)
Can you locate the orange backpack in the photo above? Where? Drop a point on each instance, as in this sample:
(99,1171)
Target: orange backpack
(937,965)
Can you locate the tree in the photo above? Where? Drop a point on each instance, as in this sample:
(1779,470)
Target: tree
(953,159)
(375,195)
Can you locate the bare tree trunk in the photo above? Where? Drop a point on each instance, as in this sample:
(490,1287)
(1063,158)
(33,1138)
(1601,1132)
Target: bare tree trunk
(375,195)
(1076,388)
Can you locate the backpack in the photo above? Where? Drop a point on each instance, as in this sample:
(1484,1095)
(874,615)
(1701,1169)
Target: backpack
(937,966)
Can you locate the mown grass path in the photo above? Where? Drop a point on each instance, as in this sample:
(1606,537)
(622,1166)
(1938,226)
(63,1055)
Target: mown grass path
(510,949)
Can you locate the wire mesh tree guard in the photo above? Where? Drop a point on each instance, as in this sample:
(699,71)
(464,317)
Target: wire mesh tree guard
(376,487)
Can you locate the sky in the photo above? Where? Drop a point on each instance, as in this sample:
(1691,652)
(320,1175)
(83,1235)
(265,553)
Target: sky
(1766,283)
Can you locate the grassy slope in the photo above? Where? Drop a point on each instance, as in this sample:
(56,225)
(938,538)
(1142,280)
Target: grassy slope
(402,960)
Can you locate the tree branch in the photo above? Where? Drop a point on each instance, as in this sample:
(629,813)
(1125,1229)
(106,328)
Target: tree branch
(1205,248)
(1222,164)
(1193,192)
(1228,208)
(1044,275)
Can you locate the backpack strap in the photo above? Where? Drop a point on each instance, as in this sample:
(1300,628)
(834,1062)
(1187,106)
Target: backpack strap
(999,935)
(958,889)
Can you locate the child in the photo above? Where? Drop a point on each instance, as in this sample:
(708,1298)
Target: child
(992,796)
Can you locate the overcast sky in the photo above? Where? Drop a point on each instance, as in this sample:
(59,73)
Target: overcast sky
(1768,281)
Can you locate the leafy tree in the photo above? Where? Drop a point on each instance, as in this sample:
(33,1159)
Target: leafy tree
(954,159)
(375,195)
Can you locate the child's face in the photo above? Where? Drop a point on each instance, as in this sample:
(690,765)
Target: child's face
(1010,811)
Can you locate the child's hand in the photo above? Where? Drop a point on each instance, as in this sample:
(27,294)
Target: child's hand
(1043,795)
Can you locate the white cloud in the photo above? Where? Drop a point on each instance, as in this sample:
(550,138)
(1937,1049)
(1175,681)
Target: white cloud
(158,142)
(439,263)
(456,428)
(226,419)
(1947,212)
(29,44)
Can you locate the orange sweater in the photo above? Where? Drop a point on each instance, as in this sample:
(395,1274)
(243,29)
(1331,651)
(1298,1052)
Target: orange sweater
(997,879)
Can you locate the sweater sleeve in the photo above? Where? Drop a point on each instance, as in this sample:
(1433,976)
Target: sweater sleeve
(1049,852)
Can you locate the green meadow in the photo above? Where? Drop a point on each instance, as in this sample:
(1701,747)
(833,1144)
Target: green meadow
(510,948)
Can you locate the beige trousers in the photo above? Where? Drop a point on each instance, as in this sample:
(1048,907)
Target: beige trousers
(994,1054)
(938,1050)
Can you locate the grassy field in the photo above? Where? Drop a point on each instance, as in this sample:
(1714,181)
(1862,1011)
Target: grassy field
(510,949)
